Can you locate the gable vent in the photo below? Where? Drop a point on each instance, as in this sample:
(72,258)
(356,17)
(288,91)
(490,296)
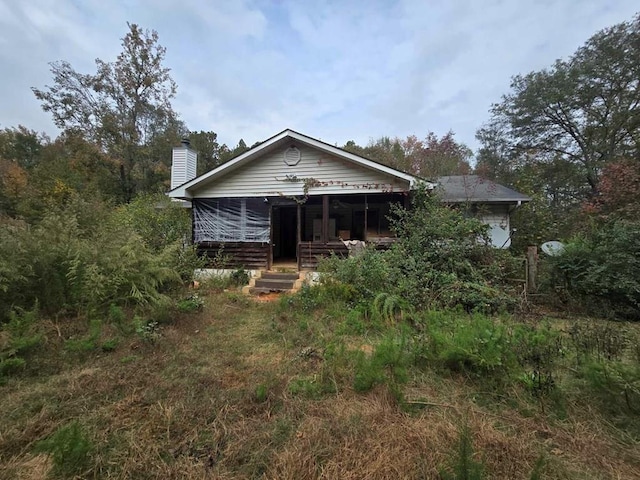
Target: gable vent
(292,156)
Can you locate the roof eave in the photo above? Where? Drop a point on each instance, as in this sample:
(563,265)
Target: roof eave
(487,200)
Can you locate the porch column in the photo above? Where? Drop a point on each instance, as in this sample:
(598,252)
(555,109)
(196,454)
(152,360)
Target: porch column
(325,218)
(366,214)
(270,254)
(298,234)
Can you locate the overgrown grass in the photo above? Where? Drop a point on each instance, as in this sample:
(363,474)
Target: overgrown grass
(315,386)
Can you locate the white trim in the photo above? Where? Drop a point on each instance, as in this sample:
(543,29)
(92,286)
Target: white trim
(183,191)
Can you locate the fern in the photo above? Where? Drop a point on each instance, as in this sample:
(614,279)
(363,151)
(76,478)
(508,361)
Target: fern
(391,307)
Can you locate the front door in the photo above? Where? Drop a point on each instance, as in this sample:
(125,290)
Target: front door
(285,227)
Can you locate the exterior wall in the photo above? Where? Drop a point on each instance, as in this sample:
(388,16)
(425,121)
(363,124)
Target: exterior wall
(497,217)
(270,176)
(251,256)
(184,162)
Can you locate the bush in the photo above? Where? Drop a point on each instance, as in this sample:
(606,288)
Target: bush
(239,277)
(18,337)
(366,273)
(617,382)
(70,449)
(602,269)
(442,259)
(466,343)
(539,351)
(388,364)
(462,465)
(157,219)
(66,268)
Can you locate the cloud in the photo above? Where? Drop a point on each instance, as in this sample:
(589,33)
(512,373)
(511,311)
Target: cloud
(338,70)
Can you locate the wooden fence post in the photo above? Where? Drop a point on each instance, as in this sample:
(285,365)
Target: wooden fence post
(532,268)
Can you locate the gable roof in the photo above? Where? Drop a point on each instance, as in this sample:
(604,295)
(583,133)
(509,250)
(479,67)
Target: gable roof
(277,141)
(472,188)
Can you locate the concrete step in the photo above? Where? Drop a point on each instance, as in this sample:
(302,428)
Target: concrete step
(279,275)
(262,290)
(283,284)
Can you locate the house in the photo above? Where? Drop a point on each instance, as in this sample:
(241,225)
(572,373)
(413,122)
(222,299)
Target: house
(293,198)
(489,201)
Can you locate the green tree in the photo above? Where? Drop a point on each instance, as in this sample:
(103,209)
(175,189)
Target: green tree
(124,108)
(584,110)
(227,154)
(208,148)
(430,158)
(22,146)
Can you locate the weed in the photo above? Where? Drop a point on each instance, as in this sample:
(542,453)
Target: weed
(239,277)
(602,340)
(109,345)
(536,473)
(149,331)
(355,321)
(11,365)
(616,381)
(469,343)
(261,393)
(192,303)
(308,386)
(539,350)
(129,359)
(88,343)
(391,307)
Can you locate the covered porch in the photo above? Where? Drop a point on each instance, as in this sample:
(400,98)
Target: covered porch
(276,232)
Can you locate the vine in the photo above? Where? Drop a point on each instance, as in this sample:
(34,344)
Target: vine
(310,182)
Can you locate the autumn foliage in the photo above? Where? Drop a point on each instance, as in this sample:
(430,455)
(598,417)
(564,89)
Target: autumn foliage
(618,189)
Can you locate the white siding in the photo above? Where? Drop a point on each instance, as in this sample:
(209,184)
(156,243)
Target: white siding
(178,167)
(184,162)
(267,176)
(192,164)
(497,217)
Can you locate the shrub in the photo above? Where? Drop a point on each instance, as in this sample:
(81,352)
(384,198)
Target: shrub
(466,343)
(239,277)
(157,219)
(442,259)
(388,364)
(70,449)
(602,341)
(538,350)
(617,382)
(602,269)
(87,343)
(18,337)
(67,269)
(366,273)
(462,465)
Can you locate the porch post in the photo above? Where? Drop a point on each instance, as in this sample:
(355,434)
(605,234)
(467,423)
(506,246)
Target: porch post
(270,254)
(366,214)
(325,218)
(298,234)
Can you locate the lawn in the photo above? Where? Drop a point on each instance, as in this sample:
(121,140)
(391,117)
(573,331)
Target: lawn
(304,388)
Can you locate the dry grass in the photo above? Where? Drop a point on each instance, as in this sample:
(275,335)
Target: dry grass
(187,407)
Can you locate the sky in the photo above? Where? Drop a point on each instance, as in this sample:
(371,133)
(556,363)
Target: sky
(334,70)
